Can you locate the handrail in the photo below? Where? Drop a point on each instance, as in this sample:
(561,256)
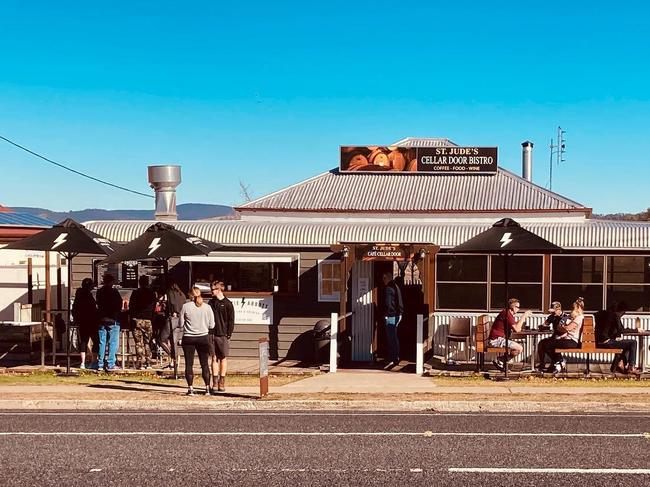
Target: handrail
(346,315)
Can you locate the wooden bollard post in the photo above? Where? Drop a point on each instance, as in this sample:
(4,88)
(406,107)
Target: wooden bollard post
(264,366)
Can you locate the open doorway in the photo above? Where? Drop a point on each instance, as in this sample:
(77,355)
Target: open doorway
(406,277)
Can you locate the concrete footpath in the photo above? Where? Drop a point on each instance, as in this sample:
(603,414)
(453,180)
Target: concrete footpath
(348,389)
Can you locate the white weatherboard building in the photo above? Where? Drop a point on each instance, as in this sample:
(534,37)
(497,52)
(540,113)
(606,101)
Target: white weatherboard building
(293,254)
(15,266)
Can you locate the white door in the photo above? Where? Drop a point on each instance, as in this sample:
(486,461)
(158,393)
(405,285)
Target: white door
(362,319)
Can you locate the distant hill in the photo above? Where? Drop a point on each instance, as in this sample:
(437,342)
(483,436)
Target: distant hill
(643,216)
(188,211)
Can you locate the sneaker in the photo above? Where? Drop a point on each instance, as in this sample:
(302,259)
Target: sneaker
(222,384)
(498,364)
(190,392)
(541,368)
(82,365)
(557,367)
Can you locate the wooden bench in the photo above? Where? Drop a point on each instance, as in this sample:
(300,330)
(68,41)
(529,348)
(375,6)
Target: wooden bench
(482,333)
(587,343)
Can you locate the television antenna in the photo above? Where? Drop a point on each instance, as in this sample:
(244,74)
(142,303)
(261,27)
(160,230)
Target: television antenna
(558,151)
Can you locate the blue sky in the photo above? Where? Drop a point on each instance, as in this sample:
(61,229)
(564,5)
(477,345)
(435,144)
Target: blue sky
(266,92)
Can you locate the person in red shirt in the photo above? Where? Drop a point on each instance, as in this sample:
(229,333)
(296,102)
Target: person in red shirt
(506,321)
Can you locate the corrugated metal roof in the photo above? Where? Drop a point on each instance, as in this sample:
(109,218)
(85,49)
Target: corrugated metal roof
(23,220)
(426,193)
(588,234)
(425,142)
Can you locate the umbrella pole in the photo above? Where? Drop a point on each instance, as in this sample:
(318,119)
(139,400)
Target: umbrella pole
(174,345)
(507,352)
(67,322)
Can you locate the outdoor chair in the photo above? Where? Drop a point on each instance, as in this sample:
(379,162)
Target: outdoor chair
(460,331)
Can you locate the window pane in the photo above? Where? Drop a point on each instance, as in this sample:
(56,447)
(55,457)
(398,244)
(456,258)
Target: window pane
(336,270)
(576,268)
(637,298)
(462,296)
(521,268)
(530,295)
(326,270)
(461,267)
(567,294)
(326,288)
(336,285)
(634,269)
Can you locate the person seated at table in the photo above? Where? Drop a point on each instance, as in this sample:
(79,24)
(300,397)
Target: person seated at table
(568,335)
(609,328)
(506,322)
(552,323)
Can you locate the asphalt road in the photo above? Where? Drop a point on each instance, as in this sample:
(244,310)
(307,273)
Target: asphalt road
(328,448)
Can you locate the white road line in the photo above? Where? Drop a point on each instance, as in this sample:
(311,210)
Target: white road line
(321,433)
(324,413)
(618,471)
(95,469)
(416,470)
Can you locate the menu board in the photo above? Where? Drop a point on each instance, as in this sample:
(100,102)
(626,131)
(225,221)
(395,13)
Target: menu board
(129,274)
(253,310)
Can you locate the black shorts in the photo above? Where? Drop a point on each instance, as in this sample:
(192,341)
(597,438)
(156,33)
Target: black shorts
(85,335)
(219,346)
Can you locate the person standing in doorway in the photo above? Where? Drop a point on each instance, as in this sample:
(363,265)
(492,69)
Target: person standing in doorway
(141,307)
(224,325)
(109,305)
(393,311)
(84,311)
(197,320)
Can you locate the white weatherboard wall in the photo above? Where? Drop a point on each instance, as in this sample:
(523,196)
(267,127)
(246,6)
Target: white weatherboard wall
(13,279)
(363,317)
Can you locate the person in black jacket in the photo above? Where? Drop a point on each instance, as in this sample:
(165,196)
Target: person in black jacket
(393,309)
(109,305)
(84,312)
(141,307)
(552,323)
(175,300)
(609,329)
(224,319)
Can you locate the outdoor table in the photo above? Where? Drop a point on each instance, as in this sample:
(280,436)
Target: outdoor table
(531,335)
(641,345)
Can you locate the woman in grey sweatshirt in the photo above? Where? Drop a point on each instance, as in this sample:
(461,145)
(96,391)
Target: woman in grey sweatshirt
(197,319)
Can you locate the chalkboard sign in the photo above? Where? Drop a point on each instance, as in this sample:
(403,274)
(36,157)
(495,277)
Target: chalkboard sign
(129,274)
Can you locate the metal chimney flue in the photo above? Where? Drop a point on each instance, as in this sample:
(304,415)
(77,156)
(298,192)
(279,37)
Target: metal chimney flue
(164,179)
(527,161)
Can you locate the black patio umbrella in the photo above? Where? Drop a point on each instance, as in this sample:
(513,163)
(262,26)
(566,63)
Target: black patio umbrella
(506,238)
(69,239)
(161,242)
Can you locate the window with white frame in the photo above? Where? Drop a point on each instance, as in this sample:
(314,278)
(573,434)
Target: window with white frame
(329,280)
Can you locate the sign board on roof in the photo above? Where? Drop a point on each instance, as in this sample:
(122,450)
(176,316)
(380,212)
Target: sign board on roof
(439,160)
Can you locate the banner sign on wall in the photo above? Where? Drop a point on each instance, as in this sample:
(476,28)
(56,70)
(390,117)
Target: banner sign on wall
(384,251)
(252,311)
(439,160)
